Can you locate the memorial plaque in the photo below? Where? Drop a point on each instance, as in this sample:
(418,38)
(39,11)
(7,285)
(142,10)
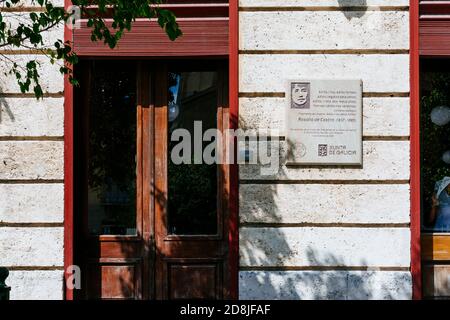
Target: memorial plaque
(324,122)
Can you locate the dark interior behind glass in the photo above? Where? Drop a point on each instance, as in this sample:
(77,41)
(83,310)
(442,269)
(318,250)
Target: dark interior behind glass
(435,140)
(192,194)
(112,149)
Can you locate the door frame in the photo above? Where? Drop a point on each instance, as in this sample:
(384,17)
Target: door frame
(233,205)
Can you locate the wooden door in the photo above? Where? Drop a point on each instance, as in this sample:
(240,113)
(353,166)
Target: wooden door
(190,199)
(147,228)
(113,220)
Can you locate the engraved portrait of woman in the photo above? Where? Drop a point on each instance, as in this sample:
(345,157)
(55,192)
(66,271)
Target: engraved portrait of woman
(300,94)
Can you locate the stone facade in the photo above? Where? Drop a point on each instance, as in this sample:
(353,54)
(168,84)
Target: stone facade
(32,180)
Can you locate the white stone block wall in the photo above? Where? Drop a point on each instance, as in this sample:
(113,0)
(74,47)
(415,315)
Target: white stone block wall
(32,179)
(306,233)
(331,233)
(382,116)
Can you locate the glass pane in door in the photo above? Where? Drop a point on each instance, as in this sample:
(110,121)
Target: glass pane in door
(192,181)
(112,149)
(435,133)
(435,177)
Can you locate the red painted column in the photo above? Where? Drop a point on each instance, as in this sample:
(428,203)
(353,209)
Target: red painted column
(233,236)
(68,168)
(415,150)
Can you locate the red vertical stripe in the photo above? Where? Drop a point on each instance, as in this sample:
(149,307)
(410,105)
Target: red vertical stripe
(234,174)
(415,150)
(68,168)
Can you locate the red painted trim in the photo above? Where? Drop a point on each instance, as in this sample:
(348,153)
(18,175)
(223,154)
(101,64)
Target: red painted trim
(147,39)
(434,37)
(183,10)
(198,9)
(68,169)
(415,150)
(434,8)
(233,233)
(434,28)
(234,174)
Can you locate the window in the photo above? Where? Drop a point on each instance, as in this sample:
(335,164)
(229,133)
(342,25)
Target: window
(435,150)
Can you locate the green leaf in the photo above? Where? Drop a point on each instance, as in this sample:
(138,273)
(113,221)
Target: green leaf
(124,14)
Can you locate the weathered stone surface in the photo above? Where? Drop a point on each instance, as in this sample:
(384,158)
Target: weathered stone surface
(31,117)
(382,160)
(324,246)
(381,116)
(386,116)
(270,72)
(23,203)
(36,285)
(321,203)
(31,246)
(51,79)
(321,3)
(320,30)
(314,285)
(31,159)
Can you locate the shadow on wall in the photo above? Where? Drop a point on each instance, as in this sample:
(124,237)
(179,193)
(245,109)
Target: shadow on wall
(353,8)
(5,110)
(265,252)
(324,282)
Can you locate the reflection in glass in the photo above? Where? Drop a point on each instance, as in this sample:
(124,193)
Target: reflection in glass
(435,134)
(112,151)
(440,211)
(192,188)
